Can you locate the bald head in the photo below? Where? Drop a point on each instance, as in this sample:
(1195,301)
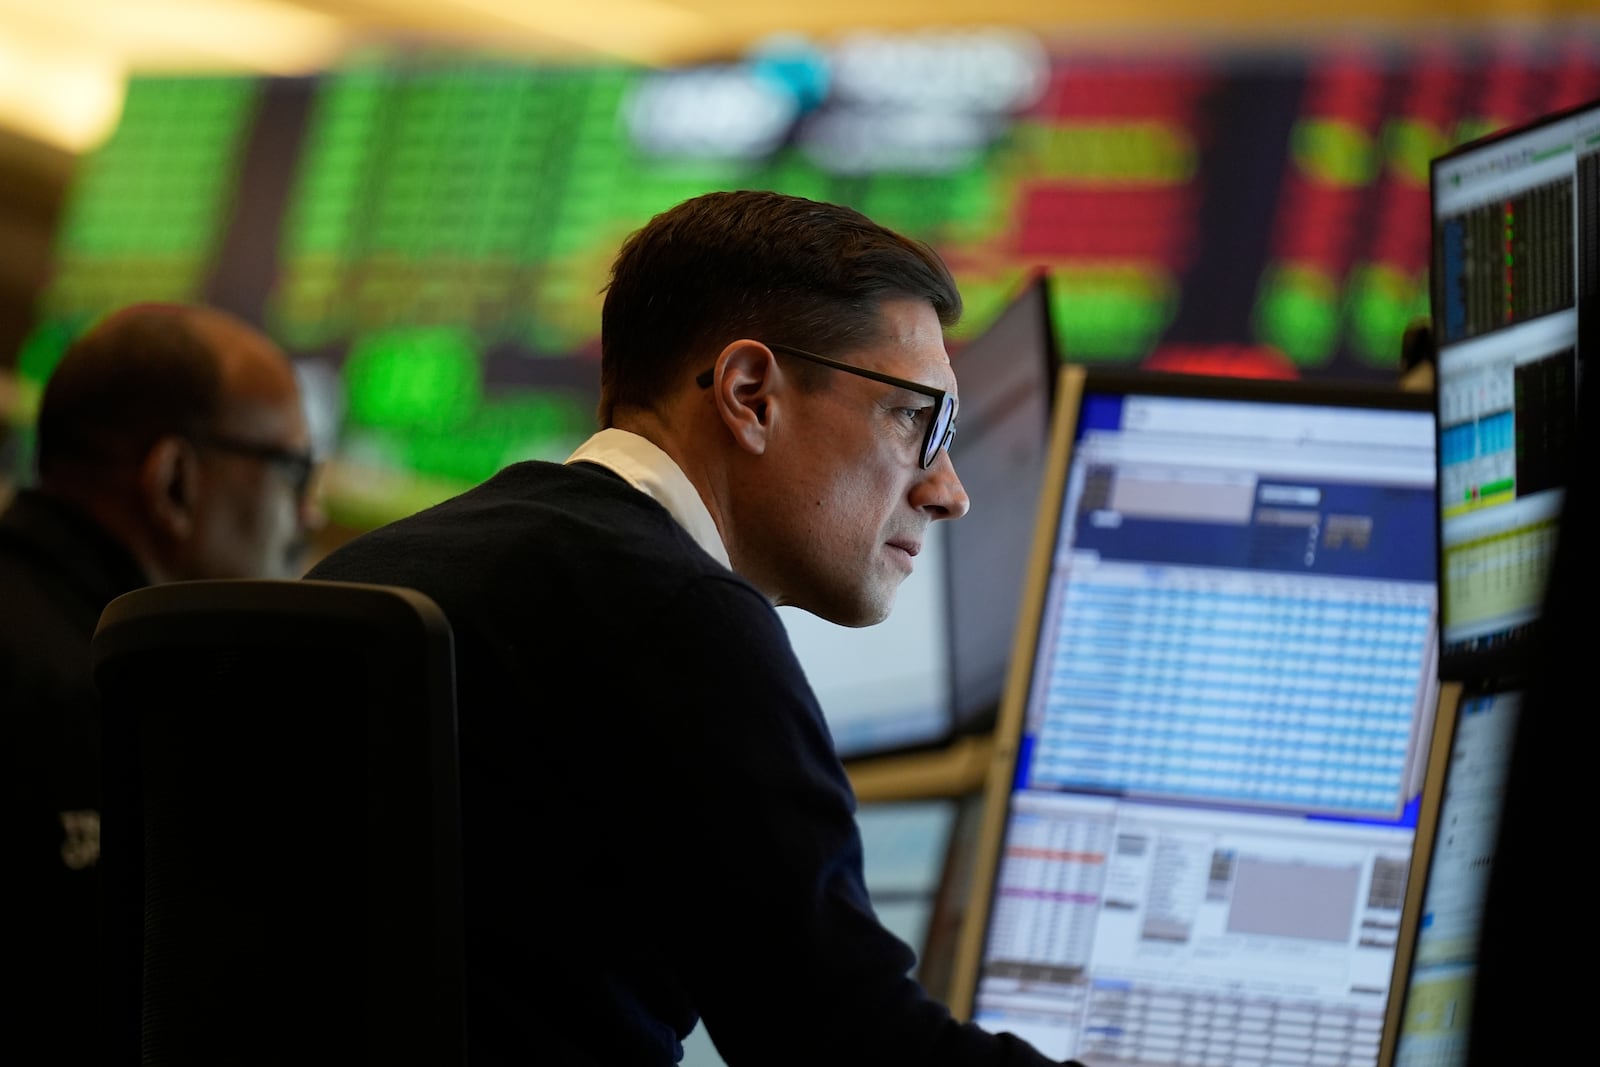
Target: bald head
(146,371)
(180,428)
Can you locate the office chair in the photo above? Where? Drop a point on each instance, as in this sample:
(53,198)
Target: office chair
(280,830)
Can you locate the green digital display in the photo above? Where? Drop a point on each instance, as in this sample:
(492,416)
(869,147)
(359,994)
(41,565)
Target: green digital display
(435,235)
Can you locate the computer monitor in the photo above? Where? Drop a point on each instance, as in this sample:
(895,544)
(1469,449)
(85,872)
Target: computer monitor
(935,668)
(1551,775)
(1516,235)
(1007,376)
(1214,737)
(1516,270)
(1430,1012)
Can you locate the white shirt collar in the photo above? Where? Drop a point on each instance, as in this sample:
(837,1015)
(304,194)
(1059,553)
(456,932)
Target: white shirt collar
(651,471)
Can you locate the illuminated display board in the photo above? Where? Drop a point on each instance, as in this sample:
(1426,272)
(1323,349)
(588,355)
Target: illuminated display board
(430,236)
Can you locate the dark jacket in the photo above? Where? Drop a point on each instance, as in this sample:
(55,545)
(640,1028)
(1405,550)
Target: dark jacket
(58,570)
(656,825)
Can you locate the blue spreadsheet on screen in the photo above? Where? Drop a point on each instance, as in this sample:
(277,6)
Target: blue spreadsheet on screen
(1214,745)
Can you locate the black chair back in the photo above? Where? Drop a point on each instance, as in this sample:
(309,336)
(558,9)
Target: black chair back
(280,826)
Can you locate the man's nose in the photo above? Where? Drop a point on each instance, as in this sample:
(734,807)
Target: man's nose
(313,516)
(940,492)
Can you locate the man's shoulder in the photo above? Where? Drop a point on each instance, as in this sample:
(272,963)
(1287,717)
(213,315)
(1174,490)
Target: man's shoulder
(42,600)
(532,490)
(528,517)
(45,628)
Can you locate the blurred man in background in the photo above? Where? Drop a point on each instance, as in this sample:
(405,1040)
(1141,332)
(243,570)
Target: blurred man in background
(172,445)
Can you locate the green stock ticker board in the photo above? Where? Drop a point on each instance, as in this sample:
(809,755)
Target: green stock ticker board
(434,234)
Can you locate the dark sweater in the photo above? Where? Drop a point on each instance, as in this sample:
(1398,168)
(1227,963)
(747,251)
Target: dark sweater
(58,570)
(656,825)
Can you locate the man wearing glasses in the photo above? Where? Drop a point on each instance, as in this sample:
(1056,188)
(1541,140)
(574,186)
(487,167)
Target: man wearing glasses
(657,829)
(171,445)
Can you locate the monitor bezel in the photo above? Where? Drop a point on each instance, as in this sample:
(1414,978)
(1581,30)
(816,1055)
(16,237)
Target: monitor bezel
(1036,284)
(1447,721)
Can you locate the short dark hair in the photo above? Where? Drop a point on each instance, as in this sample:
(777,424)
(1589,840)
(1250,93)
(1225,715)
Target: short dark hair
(133,377)
(753,264)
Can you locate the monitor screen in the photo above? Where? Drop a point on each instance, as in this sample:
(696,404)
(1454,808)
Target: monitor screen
(1434,1007)
(1208,773)
(1006,377)
(1516,257)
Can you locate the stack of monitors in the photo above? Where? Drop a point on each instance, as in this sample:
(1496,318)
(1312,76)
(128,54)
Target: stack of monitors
(1516,238)
(1215,733)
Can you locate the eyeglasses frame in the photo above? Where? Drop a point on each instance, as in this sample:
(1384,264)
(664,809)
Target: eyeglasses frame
(297,466)
(941,397)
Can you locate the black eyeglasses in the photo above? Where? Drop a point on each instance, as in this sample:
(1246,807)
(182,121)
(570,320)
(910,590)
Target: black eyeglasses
(941,428)
(295,466)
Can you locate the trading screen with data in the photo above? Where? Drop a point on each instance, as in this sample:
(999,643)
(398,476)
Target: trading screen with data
(1516,232)
(1222,745)
(1516,278)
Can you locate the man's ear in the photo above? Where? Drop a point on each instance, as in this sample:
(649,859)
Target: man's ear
(169,486)
(743,389)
